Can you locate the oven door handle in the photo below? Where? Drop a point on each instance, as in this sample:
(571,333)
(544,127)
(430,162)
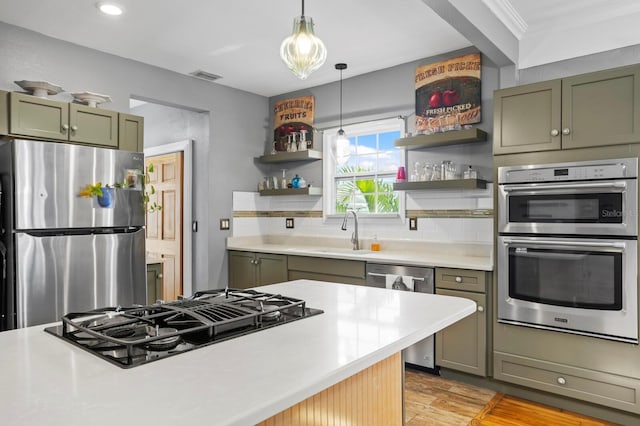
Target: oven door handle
(581,186)
(598,244)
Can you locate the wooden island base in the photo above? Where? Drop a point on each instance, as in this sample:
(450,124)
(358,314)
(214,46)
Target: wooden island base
(370,397)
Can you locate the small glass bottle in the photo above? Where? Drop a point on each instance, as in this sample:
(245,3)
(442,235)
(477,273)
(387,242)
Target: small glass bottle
(375,245)
(295,182)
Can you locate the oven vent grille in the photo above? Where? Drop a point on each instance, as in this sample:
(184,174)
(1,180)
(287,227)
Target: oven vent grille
(203,75)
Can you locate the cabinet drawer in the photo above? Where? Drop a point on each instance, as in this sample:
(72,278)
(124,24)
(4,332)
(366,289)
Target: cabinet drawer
(461,279)
(588,385)
(326,266)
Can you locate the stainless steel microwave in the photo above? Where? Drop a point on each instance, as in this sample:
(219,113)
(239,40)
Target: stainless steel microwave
(579,198)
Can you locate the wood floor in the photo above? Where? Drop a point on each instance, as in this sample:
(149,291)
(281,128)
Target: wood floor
(434,401)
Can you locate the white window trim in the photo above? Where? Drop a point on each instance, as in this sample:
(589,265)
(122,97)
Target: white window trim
(328,136)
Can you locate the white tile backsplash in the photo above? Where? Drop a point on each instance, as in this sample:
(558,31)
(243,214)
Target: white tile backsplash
(475,230)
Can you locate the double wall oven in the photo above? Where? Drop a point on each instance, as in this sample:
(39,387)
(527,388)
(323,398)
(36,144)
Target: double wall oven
(567,247)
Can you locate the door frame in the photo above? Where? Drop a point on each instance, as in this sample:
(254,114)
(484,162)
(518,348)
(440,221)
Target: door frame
(186,147)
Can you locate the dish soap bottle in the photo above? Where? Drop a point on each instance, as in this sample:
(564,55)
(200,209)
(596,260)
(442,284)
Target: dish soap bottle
(295,182)
(375,245)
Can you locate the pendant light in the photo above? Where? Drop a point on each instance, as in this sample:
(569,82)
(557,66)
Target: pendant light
(302,51)
(342,137)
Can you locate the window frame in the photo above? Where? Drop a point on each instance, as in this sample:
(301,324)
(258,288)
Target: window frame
(367,127)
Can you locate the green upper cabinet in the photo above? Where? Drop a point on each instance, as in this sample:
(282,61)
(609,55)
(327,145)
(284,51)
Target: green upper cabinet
(525,116)
(131,132)
(601,108)
(93,126)
(28,116)
(595,109)
(39,118)
(4,118)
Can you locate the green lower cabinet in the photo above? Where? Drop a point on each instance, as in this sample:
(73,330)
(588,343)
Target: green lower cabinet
(247,269)
(154,282)
(463,346)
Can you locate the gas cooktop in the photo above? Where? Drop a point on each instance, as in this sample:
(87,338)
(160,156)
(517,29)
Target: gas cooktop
(129,337)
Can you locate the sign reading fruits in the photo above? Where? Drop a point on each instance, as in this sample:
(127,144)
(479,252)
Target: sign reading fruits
(293,121)
(448,94)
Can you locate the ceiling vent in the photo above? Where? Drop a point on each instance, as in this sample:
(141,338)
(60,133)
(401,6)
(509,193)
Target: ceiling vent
(205,75)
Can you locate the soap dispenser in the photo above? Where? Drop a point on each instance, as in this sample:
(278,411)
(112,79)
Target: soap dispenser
(375,245)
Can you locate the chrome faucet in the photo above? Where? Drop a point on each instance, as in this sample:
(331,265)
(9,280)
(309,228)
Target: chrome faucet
(354,235)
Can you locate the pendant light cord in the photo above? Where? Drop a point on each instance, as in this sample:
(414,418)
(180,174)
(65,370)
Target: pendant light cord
(340,99)
(302,7)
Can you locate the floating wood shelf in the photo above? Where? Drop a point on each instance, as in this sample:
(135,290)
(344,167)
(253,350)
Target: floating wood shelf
(440,139)
(284,157)
(310,190)
(441,184)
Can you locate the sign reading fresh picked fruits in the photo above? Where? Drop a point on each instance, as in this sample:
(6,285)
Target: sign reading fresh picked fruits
(448,94)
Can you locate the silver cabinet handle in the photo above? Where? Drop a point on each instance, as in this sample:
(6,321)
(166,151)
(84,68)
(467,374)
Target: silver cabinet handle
(566,131)
(555,132)
(159,276)
(65,127)
(375,274)
(74,128)
(562,187)
(458,279)
(562,381)
(480,308)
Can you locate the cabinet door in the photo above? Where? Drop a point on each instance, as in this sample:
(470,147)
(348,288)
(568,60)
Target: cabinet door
(242,269)
(130,133)
(270,268)
(154,282)
(527,118)
(463,346)
(39,118)
(601,108)
(4,112)
(93,126)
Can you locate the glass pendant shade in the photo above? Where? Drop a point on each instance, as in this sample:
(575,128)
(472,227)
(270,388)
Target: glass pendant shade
(302,51)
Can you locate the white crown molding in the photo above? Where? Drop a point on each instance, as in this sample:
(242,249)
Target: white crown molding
(505,12)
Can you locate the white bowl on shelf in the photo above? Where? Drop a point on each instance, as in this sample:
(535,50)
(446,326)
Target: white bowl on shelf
(90,98)
(40,89)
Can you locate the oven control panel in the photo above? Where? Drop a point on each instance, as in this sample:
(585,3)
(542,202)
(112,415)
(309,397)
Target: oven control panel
(591,170)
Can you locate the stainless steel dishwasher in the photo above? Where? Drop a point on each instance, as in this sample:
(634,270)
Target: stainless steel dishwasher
(407,278)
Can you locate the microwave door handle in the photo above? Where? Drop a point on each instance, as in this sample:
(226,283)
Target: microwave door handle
(581,186)
(597,244)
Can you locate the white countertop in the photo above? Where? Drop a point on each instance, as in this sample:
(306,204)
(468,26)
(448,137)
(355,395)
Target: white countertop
(47,381)
(398,252)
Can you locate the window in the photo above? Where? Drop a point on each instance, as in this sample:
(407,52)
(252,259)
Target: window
(359,175)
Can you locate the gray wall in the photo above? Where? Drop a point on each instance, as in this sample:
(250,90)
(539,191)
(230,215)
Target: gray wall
(238,120)
(165,125)
(581,65)
(387,93)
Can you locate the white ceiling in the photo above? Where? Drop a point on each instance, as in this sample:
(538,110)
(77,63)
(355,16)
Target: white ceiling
(240,40)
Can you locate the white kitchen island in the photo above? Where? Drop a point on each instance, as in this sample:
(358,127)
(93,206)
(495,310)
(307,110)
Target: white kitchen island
(47,381)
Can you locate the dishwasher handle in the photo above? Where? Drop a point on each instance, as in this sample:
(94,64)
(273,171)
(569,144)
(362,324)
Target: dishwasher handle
(375,274)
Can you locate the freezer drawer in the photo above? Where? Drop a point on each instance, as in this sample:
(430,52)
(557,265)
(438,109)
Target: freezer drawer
(65,273)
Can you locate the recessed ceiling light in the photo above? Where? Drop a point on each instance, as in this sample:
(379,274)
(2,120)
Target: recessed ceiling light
(110,9)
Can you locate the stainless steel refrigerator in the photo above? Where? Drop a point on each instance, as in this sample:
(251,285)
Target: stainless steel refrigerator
(67,252)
